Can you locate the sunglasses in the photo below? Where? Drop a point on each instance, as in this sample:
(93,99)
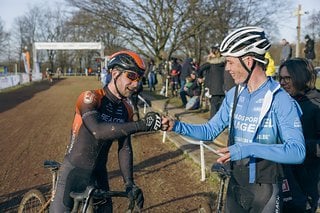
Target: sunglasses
(133,76)
(286,79)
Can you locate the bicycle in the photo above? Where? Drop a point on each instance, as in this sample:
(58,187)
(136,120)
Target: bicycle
(34,200)
(87,201)
(223,174)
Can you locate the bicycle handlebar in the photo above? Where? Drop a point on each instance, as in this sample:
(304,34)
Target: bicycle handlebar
(105,194)
(221,169)
(97,194)
(92,192)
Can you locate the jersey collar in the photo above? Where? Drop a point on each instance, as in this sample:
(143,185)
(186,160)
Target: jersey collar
(111,96)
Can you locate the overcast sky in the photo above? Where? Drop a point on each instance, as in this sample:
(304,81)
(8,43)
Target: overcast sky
(10,9)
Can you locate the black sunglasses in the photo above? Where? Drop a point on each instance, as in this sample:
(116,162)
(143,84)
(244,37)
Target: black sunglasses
(286,79)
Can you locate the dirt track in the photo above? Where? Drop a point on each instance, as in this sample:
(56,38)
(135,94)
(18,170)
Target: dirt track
(35,125)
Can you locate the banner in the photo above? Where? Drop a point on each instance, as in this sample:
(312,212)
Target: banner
(26,61)
(9,81)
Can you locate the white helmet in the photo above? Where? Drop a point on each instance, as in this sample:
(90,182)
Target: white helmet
(244,41)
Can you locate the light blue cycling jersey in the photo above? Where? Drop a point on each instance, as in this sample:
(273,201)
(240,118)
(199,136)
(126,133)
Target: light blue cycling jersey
(266,125)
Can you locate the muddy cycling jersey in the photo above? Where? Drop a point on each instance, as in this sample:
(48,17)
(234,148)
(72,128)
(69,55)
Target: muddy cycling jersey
(100,118)
(261,118)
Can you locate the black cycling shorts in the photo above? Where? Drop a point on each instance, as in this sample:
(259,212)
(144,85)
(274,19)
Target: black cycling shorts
(253,198)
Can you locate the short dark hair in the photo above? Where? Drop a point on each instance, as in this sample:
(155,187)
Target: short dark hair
(214,48)
(302,73)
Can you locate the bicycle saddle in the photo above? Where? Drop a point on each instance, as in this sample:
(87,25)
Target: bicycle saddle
(51,164)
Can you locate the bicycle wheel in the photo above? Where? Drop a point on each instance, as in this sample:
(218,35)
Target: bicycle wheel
(31,202)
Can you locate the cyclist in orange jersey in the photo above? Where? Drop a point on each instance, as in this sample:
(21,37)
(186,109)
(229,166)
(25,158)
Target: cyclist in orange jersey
(102,116)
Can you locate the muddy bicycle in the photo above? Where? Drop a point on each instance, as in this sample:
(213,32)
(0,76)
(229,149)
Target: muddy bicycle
(86,202)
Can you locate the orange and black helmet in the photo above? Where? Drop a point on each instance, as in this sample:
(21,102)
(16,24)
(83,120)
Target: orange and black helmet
(127,60)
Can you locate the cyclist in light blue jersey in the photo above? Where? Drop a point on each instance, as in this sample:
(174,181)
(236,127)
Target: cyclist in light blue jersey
(264,126)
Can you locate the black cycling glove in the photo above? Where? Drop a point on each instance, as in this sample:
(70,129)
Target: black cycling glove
(135,196)
(151,122)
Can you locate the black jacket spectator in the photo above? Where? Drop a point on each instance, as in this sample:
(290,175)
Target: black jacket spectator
(213,74)
(186,68)
(216,79)
(309,49)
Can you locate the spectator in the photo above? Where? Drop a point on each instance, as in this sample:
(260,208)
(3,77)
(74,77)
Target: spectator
(195,65)
(151,72)
(259,114)
(297,76)
(59,72)
(213,73)
(286,52)
(49,74)
(309,49)
(99,73)
(192,89)
(101,117)
(104,74)
(90,71)
(135,101)
(186,69)
(271,69)
(164,72)
(228,82)
(44,74)
(108,77)
(175,71)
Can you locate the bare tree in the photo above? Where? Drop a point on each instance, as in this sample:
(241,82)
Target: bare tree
(27,30)
(4,39)
(51,28)
(150,27)
(23,37)
(314,25)
(221,16)
(84,26)
(156,27)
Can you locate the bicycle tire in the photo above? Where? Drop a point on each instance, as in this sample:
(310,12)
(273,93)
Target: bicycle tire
(31,202)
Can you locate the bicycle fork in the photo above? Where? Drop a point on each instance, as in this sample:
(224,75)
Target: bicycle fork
(221,192)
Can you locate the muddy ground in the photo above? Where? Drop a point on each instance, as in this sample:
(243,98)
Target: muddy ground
(35,123)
